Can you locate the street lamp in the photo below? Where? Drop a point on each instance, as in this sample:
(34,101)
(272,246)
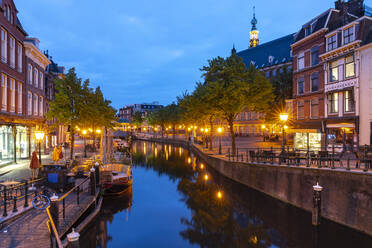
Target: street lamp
(39,135)
(84,132)
(283,119)
(219,130)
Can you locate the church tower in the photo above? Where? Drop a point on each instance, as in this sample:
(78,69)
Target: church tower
(254,41)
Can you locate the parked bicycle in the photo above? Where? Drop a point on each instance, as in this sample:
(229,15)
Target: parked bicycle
(42,200)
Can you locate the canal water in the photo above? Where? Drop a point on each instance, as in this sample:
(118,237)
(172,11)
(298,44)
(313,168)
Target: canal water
(178,201)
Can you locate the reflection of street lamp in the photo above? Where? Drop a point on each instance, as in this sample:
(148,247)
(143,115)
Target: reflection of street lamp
(283,119)
(84,132)
(206,177)
(219,194)
(39,135)
(219,130)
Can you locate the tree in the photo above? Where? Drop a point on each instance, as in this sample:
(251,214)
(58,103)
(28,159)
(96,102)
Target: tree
(231,86)
(68,106)
(137,119)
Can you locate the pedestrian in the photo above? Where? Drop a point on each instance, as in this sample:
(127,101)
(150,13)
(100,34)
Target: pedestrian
(55,154)
(34,164)
(60,153)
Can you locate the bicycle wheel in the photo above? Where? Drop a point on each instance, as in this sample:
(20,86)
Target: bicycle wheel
(40,202)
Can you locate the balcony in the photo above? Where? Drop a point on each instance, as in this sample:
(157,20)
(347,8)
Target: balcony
(341,84)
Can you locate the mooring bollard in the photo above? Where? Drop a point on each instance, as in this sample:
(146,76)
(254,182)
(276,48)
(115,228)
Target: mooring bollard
(54,210)
(73,239)
(97,173)
(317,202)
(92,182)
(15,204)
(26,194)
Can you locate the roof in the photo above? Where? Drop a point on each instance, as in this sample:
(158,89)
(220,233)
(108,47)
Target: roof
(315,25)
(279,49)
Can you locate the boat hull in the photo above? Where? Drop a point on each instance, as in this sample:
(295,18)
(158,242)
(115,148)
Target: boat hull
(117,189)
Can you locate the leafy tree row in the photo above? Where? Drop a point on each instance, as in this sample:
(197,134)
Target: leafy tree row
(77,104)
(228,88)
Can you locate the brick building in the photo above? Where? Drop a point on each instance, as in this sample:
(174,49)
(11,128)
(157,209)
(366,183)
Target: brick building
(310,73)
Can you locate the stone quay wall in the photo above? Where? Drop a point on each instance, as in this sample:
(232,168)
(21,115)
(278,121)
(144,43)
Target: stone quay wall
(346,195)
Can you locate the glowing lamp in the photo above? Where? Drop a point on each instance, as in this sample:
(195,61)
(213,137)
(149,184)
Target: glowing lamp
(39,135)
(283,117)
(84,132)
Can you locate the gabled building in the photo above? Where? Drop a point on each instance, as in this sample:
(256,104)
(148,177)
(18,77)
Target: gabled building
(313,101)
(272,58)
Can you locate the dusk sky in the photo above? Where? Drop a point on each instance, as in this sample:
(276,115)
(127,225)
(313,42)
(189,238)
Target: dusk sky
(143,51)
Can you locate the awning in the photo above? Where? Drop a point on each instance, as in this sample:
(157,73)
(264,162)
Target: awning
(305,131)
(340,125)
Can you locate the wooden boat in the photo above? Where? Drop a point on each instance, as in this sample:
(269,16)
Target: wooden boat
(116,179)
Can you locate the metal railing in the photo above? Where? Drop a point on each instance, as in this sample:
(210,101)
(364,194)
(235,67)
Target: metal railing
(10,196)
(360,160)
(54,236)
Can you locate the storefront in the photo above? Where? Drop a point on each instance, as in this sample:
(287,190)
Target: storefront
(342,136)
(6,144)
(308,139)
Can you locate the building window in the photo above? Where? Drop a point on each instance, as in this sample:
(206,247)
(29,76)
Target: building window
(274,72)
(333,71)
(307,31)
(300,110)
(20,102)
(267,74)
(12,94)
(349,66)
(36,77)
(301,61)
(314,82)
(29,103)
(4,55)
(19,53)
(314,108)
(12,52)
(4,92)
(41,106)
(29,74)
(349,101)
(41,83)
(348,35)
(332,42)
(314,55)
(333,103)
(300,86)
(36,104)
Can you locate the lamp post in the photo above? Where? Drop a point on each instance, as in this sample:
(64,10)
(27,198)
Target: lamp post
(283,119)
(206,138)
(84,132)
(39,135)
(219,130)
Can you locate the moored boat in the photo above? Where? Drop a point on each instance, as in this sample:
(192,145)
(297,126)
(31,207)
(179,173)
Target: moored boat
(116,179)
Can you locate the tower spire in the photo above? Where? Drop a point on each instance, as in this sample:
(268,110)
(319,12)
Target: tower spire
(233,50)
(254,41)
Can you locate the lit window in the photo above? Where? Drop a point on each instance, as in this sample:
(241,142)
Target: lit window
(4,92)
(333,103)
(300,86)
(349,35)
(301,61)
(314,55)
(349,101)
(41,106)
(12,95)
(333,71)
(36,104)
(349,66)
(4,53)
(29,103)
(314,82)
(332,42)
(20,98)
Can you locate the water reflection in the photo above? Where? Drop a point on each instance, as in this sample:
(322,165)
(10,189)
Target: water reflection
(216,212)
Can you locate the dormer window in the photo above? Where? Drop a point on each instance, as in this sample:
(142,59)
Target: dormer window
(307,31)
(348,35)
(271,59)
(332,42)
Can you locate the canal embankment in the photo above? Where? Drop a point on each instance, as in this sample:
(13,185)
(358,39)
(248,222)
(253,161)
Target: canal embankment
(346,195)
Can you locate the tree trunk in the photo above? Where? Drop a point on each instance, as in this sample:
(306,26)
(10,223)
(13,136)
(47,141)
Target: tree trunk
(72,133)
(174,132)
(231,124)
(211,135)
